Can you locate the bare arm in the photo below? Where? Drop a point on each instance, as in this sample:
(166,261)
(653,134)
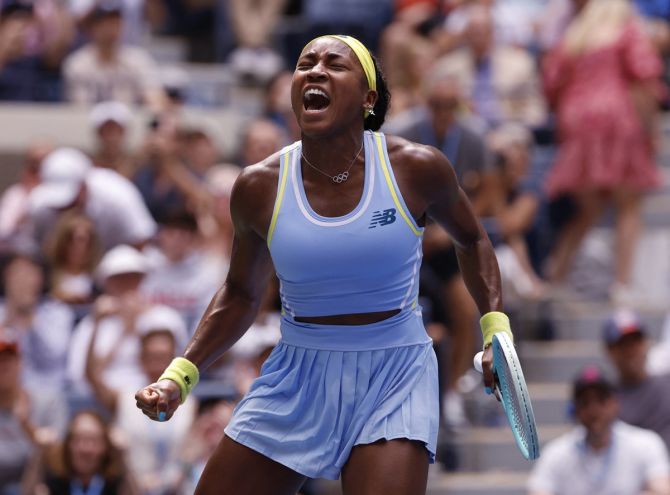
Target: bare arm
(449,206)
(234,307)
(434,190)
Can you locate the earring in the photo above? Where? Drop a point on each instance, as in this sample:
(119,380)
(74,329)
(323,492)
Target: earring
(370,110)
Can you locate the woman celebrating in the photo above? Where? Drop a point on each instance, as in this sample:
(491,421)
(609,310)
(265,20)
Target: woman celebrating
(351,389)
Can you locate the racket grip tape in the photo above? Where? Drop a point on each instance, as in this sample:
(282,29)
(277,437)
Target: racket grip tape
(492,323)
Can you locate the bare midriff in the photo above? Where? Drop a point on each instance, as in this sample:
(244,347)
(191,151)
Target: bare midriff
(352,319)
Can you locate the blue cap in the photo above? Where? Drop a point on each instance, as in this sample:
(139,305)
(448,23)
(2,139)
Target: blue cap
(621,323)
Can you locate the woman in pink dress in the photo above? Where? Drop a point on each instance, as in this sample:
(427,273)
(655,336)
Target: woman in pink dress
(603,82)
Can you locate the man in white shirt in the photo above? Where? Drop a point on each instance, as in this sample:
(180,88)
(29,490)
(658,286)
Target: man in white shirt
(601,456)
(106,69)
(70,181)
(181,276)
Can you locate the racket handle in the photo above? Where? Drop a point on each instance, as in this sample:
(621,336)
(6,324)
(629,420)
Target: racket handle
(477,361)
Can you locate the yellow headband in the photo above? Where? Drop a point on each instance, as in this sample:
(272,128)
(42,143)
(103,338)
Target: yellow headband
(363,55)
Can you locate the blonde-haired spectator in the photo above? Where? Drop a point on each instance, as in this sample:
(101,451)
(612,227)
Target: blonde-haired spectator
(603,79)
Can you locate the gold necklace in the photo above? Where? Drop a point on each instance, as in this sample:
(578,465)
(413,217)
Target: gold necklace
(341,177)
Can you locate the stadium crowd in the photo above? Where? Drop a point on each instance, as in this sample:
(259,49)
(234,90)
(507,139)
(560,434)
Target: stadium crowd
(547,109)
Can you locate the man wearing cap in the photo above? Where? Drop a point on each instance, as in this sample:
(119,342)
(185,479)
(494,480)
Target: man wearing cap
(602,455)
(182,277)
(70,181)
(28,419)
(644,398)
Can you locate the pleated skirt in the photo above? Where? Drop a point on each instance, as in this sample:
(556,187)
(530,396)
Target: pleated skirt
(325,389)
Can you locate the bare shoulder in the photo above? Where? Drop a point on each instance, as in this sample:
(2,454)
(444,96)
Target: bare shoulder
(257,178)
(423,169)
(254,193)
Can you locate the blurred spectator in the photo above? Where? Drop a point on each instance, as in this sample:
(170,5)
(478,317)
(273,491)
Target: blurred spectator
(200,147)
(152,449)
(114,205)
(216,224)
(513,203)
(176,81)
(603,81)
(110,120)
(14,204)
(112,319)
(278,105)
(105,69)
(500,80)
(34,38)
(73,253)
(87,461)
(181,277)
(601,455)
(254,59)
(407,49)
(516,21)
(643,397)
(205,435)
(29,417)
(441,123)
(262,137)
(42,326)
(138,16)
(174,163)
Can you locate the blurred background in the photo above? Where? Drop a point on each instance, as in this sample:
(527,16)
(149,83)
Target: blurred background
(126,122)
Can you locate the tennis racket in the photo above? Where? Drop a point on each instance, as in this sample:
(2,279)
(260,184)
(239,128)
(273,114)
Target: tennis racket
(514,396)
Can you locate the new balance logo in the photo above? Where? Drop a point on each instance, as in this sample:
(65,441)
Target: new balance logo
(382,217)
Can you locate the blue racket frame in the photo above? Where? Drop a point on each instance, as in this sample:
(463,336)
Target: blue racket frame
(514,395)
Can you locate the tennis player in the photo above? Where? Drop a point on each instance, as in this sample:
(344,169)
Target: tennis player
(351,389)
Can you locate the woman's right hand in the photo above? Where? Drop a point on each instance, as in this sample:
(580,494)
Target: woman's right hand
(159,400)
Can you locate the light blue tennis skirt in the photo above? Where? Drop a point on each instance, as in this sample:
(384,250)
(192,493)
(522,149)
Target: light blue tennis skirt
(326,388)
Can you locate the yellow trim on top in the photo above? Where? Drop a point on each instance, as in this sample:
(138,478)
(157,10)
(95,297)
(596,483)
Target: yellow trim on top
(389,182)
(280,197)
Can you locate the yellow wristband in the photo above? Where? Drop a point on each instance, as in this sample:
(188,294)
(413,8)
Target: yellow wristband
(184,373)
(492,323)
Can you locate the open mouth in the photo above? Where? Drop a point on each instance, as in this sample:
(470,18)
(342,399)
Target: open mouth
(315,100)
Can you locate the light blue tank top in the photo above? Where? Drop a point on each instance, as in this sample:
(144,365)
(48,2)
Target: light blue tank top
(363,262)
